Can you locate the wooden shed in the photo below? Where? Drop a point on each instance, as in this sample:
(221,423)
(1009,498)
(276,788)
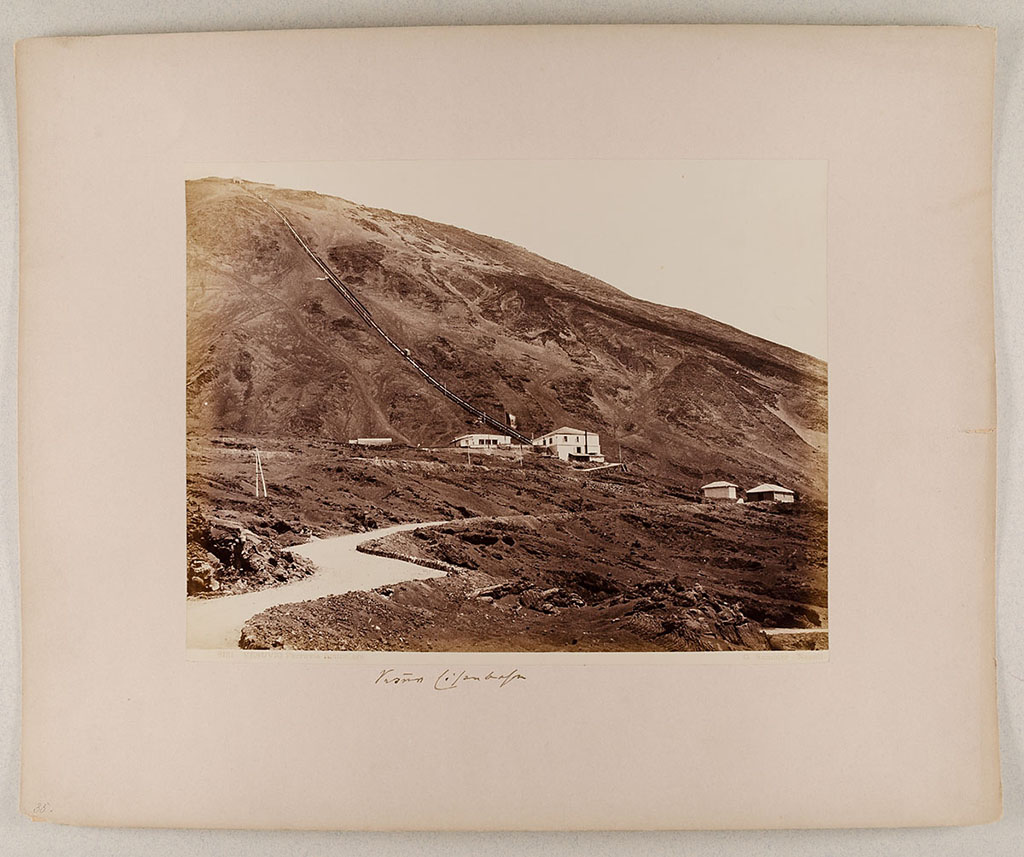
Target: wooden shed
(719,491)
(771,493)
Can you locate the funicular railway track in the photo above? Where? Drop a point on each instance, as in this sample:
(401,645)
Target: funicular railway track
(361,310)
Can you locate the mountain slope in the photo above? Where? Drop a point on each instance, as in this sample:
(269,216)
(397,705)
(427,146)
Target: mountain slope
(274,351)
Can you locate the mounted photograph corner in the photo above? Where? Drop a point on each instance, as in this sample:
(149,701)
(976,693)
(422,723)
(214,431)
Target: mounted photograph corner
(488,406)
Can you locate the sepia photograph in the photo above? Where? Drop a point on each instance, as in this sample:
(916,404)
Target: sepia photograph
(507,406)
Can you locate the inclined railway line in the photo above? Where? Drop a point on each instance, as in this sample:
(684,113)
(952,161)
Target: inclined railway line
(361,310)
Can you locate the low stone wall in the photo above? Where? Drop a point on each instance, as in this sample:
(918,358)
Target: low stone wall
(789,641)
(436,564)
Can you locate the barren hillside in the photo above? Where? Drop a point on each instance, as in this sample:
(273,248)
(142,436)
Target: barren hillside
(274,351)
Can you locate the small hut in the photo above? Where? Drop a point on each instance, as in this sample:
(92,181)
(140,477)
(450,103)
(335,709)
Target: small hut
(770,493)
(719,491)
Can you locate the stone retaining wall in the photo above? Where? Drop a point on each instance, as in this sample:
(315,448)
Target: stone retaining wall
(437,564)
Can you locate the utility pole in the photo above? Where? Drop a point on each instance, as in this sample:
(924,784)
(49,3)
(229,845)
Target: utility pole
(259,475)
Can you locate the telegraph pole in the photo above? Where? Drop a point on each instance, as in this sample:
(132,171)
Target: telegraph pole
(259,475)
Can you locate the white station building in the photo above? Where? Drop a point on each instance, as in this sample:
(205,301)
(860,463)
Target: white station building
(482,442)
(572,444)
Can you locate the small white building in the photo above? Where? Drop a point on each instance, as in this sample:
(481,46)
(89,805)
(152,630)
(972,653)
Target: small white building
(719,491)
(572,444)
(370,441)
(482,442)
(770,493)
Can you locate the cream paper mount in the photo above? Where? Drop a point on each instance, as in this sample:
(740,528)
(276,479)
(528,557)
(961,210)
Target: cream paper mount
(896,727)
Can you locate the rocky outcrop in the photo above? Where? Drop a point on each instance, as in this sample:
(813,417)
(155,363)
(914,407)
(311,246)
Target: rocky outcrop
(226,558)
(687,618)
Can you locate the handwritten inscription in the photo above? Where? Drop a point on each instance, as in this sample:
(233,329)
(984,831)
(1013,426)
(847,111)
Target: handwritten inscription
(450,679)
(391,677)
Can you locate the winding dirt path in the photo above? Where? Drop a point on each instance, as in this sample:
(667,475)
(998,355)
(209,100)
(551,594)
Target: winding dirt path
(216,623)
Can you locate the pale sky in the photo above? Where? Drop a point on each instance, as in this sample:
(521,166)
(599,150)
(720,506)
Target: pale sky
(739,241)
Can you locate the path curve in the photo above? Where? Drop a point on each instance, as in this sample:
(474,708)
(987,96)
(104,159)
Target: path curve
(216,623)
